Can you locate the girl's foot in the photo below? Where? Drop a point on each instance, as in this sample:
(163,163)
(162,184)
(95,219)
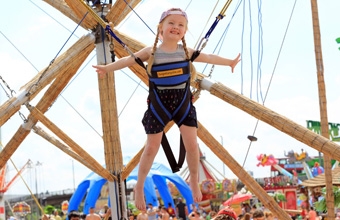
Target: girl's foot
(196,191)
(139,199)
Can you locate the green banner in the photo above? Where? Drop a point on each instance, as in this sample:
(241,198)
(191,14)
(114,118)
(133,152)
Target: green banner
(333,129)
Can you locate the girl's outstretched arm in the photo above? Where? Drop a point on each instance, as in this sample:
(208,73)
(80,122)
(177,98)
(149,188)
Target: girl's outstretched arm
(218,60)
(143,54)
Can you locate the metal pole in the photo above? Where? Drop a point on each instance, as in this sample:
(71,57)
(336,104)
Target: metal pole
(222,161)
(36,186)
(74,185)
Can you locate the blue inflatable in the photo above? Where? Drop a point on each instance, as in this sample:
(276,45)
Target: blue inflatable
(89,189)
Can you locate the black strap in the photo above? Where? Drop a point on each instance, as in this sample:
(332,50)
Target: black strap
(140,62)
(195,55)
(175,166)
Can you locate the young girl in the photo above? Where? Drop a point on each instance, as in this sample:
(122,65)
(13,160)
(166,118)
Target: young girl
(171,29)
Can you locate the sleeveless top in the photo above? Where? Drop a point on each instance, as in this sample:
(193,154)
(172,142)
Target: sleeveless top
(165,57)
(161,57)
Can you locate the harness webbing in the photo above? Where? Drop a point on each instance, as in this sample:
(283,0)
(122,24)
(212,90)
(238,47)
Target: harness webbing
(179,115)
(175,166)
(163,115)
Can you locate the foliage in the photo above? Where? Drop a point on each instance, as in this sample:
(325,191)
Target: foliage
(49,209)
(321,205)
(133,208)
(279,197)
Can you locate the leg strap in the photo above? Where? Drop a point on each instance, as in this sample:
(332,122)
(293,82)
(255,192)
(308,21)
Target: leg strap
(175,166)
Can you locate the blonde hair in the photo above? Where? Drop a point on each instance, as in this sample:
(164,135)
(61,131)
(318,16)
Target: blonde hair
(268,214)
(154,48)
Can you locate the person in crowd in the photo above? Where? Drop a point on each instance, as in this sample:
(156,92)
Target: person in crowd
(164,213)
(202,212)
(195,215)
(171,210)
(170,73)
(56,215)
(304,212)
(312,215)
(73,215)
(211,215)
(246,208)
(254,208)
(337,216)
(92,215)
(82,216)
(225,214)
(105,213)
(142,215)
(181,209)
(152,212)
(131,216)
(258,214)
(246,216)
(269,215)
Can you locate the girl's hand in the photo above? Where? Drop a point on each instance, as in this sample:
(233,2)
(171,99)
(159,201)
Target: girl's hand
(100,69)
(235,62)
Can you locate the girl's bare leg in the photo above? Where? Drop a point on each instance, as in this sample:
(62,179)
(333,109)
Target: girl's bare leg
(151,148)
(189,135)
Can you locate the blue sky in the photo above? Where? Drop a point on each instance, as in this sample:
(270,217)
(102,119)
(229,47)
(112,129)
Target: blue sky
(39,32)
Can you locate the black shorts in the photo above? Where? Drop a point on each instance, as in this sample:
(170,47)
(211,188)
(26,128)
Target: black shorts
(170,99)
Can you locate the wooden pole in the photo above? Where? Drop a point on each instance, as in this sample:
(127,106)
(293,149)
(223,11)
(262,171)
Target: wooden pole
(272,118)
(111,136)
(323,108)
(243,175)
(66,60)
(52,127)
(64,75)
(66,149)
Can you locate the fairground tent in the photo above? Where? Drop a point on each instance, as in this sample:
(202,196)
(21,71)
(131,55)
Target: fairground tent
(156,179)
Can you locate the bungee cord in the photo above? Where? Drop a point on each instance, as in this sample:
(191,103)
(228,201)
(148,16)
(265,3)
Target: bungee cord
(52,61)
(211,14)
(133,10)
(260,52)
(272,75)
(223,36)
(56,20)
(203,42)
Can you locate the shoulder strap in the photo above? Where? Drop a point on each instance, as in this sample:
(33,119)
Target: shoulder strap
(195,55)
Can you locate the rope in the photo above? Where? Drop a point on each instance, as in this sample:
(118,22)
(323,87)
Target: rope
(220,16)
(260,52)
(56,20)
(52,61)
(207,21)
(224,34)
(272,75)
(139,17)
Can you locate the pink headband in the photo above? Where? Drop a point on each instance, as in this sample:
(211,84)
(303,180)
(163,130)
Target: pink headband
(173,11)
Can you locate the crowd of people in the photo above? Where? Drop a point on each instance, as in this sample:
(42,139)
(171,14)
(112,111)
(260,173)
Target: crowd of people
(181,212)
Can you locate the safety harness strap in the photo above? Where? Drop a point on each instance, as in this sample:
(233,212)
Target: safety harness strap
(195,55)
(175,166)
(162,114)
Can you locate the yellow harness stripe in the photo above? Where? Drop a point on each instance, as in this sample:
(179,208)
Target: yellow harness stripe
(167,73)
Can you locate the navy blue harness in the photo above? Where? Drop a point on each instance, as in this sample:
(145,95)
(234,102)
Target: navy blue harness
(170,75)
